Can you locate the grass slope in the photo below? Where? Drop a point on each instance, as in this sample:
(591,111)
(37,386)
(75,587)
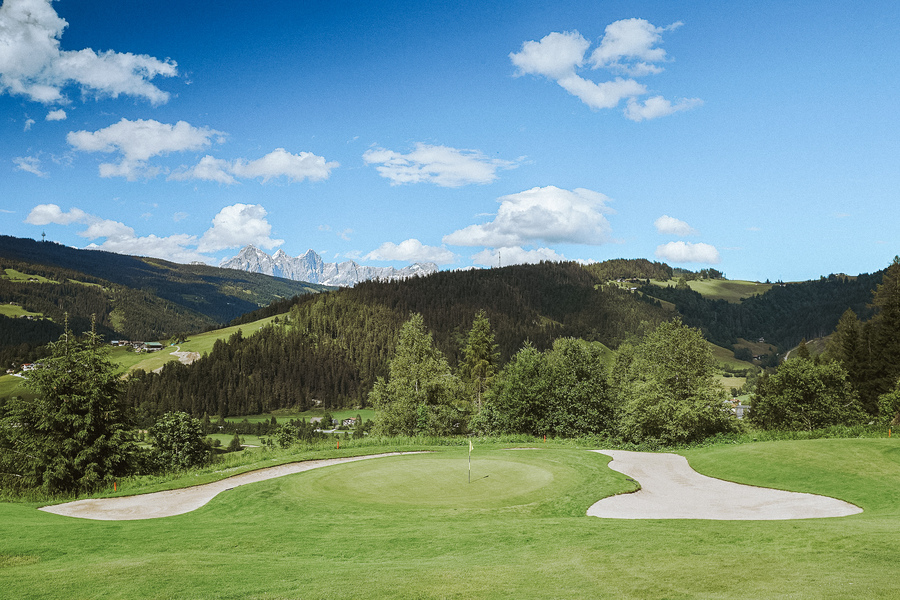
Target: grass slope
(412,527)
(722,289)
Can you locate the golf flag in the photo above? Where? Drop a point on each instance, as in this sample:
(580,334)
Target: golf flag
(470,446)
(470,461)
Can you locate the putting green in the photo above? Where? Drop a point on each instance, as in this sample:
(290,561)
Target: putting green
(500,479)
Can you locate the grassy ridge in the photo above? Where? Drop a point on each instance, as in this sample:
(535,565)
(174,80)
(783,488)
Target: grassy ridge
(411,527)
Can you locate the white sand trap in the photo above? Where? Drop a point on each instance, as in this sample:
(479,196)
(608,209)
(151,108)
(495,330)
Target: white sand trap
(177,502)
(671,489)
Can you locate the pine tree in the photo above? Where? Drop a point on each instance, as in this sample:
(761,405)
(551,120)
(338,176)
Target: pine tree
(72,435)
(480,357)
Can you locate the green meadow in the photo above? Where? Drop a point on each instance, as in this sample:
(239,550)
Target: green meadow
(722,289)
(414,527)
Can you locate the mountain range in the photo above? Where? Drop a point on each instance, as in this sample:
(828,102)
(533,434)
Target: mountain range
(310,267)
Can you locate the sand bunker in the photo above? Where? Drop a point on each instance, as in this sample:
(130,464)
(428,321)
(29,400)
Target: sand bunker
(177,502)
(671,489)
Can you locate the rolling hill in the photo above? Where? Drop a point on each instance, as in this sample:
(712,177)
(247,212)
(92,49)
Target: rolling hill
(131,297)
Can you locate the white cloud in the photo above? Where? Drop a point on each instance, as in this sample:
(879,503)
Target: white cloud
(278,163)
(656,107)
(45,214)
(548,214)
(32,64)
(233,226)
(440,165)
(412,250)
(628,47)
(685,252)
(555,56)
(119,237)
(29,164)
(28,124)
(56,115)
(208,169)
(493,257)
(672,226)
(238,225)
(138,141)
(607,94)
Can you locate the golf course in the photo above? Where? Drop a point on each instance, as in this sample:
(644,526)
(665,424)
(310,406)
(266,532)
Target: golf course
(515,526)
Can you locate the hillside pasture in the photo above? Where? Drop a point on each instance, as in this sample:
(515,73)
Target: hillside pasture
(200,343)
(732,291)
(413,527)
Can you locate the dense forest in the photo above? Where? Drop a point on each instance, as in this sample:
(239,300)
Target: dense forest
(783,316)
(331,347)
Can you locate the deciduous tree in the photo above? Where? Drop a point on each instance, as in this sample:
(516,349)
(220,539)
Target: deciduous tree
(670,393)
(802,395)
(421,394)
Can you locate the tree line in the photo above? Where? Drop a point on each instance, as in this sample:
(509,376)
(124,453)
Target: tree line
(330,348)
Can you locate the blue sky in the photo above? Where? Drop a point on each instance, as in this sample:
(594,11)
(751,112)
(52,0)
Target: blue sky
(758,138)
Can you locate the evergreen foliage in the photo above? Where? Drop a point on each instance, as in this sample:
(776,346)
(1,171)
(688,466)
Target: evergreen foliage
(73,435)
(480,358)
(782,316)
(332,347)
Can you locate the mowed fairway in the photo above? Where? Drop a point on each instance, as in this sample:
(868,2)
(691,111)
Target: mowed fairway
(413,527)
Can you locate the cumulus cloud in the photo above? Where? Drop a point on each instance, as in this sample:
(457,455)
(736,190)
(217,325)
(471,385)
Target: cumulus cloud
(554,57)
(629,47)
(238,225)
(56,115)
(233,226)
(685,252)
(32,64)
(119,237)
(440,165)
(138,141)
(29,164)
(672,226)
(412,250)
(547,214)
(493,257)
(278,163)
(656,107)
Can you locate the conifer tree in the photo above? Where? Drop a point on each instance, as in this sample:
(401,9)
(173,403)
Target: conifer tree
(480,357)
(72,435)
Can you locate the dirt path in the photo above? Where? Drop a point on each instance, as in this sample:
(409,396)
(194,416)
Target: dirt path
(671,489)
(177,502)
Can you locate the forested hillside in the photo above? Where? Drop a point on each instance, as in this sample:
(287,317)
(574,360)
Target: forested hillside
(783,316)
(331,347)
(130,297)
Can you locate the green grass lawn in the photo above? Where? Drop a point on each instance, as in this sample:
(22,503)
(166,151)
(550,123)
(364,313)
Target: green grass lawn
(413,527)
